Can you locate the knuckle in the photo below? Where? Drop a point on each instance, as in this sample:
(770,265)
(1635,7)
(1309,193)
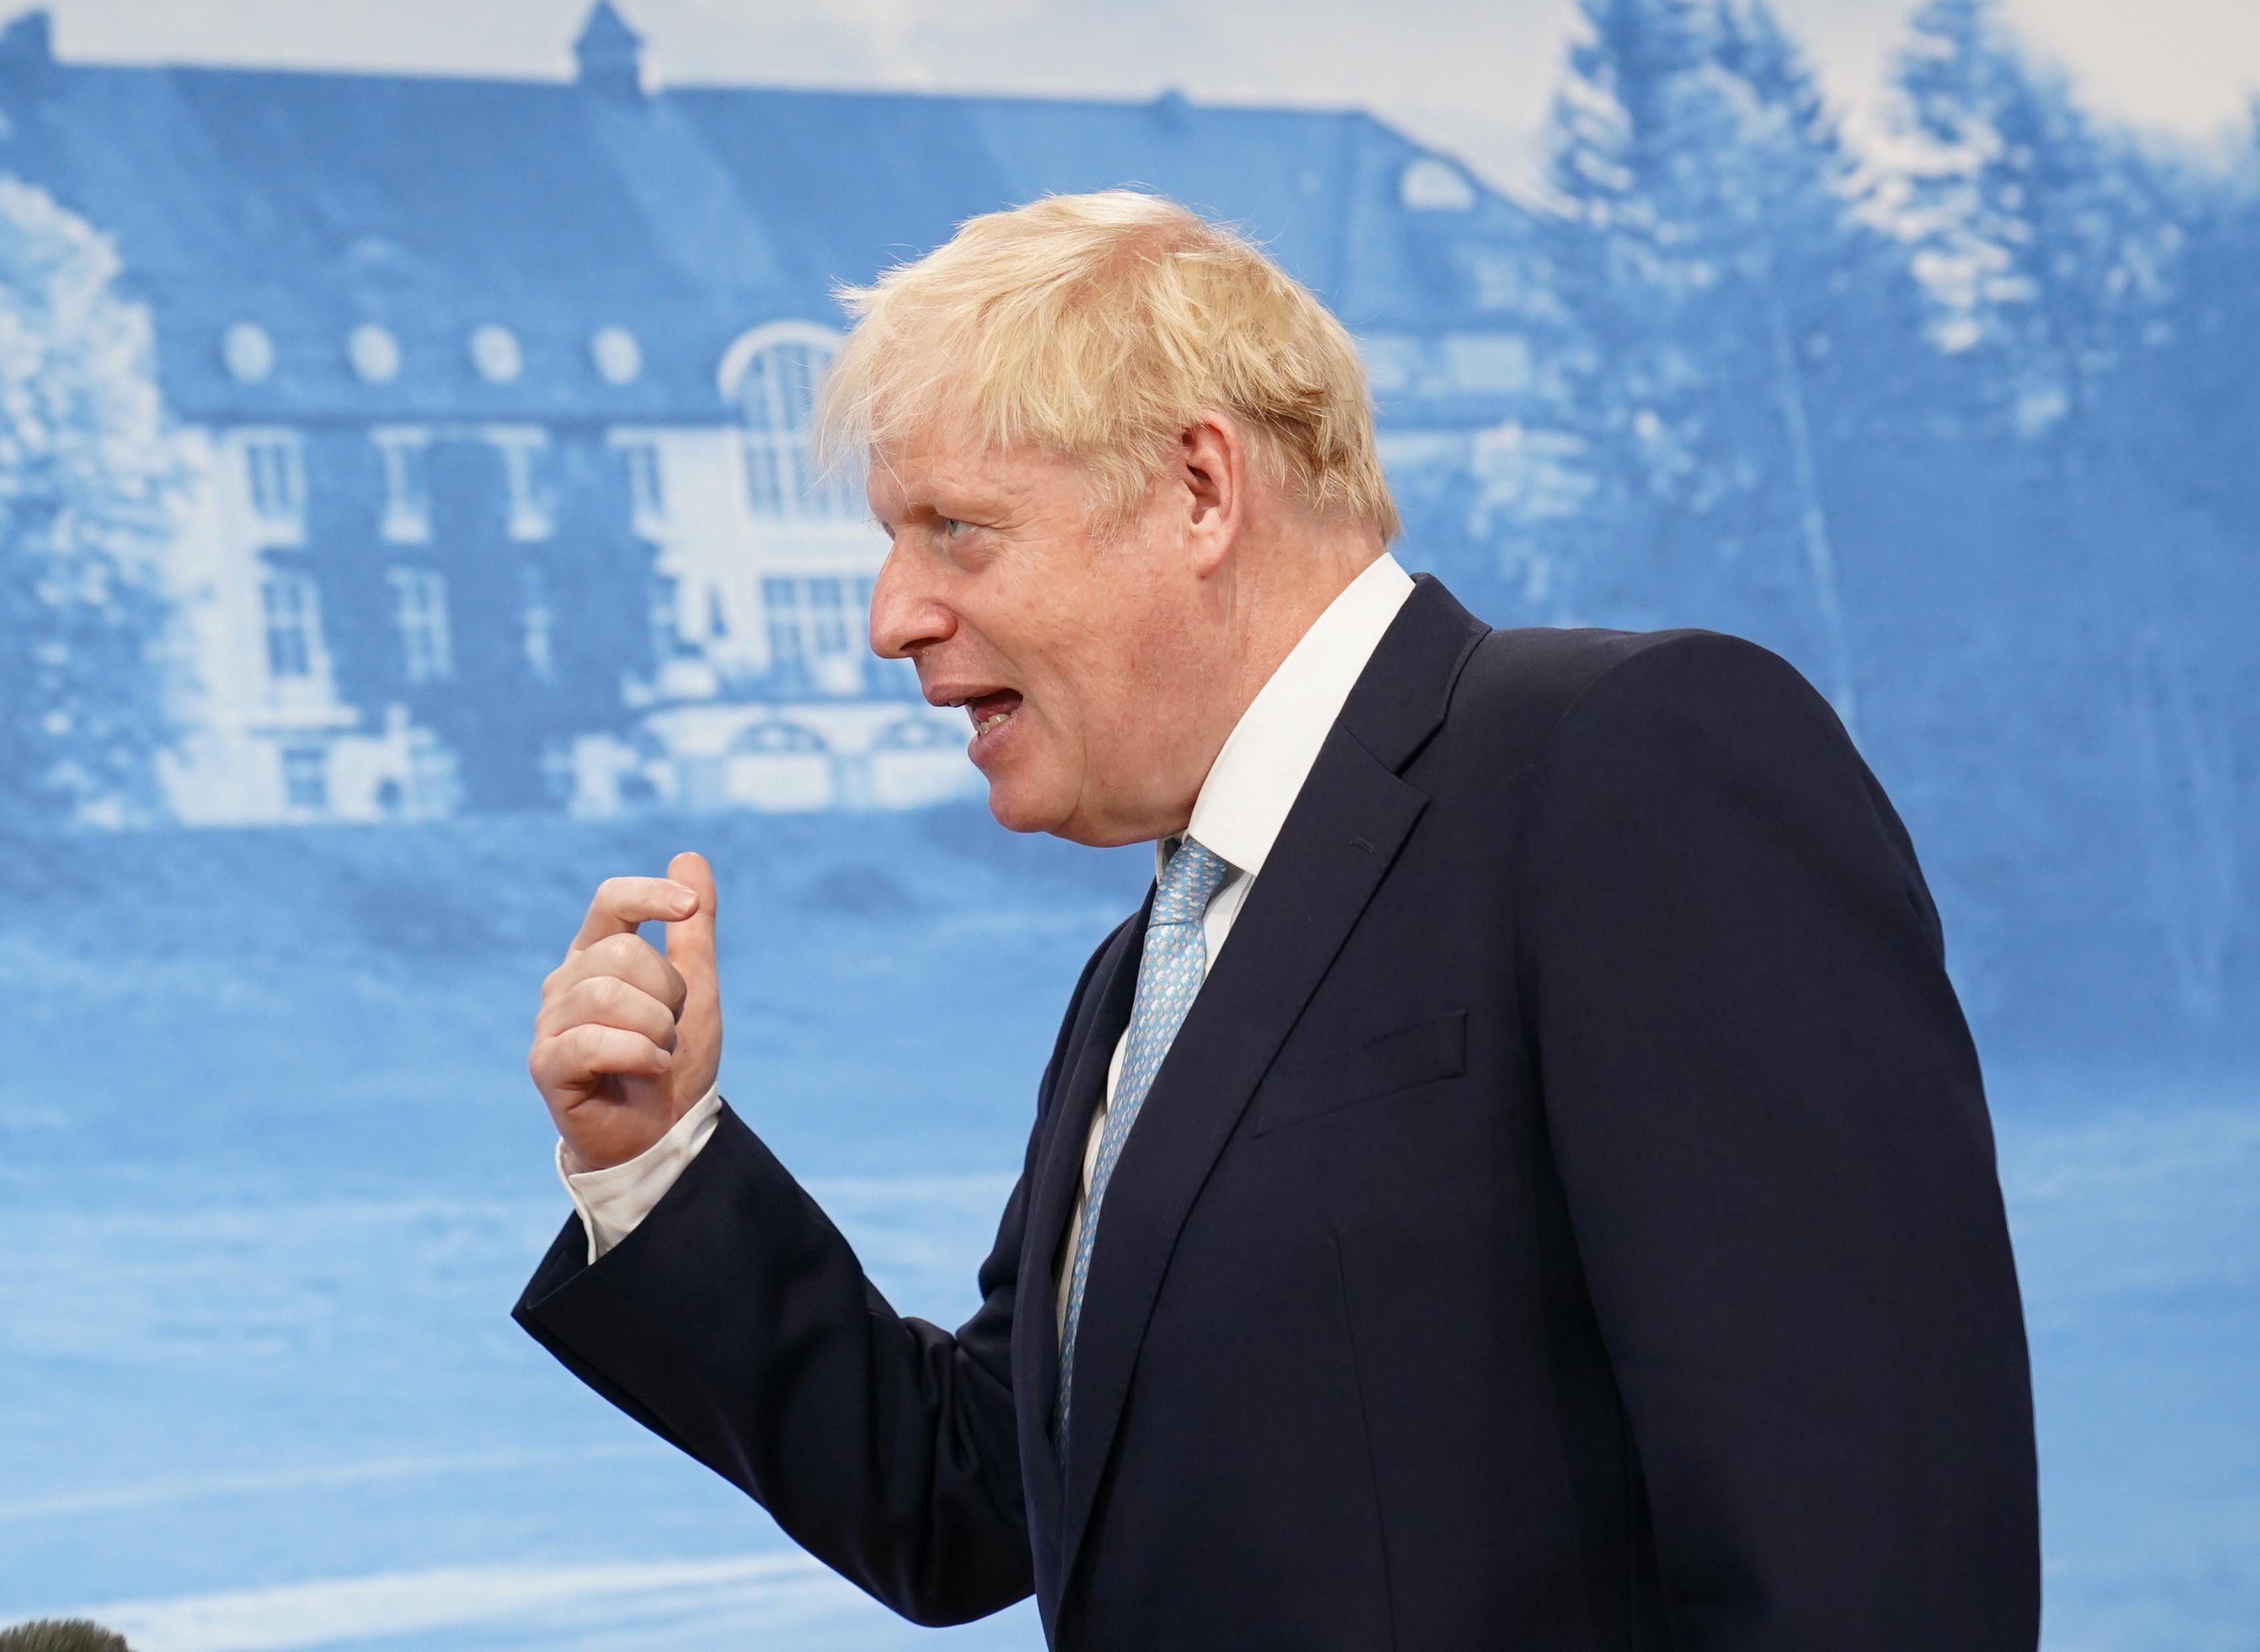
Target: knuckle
(622,951)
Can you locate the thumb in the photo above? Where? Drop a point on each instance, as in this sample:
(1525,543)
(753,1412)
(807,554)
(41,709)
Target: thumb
(690,940)
(691,949)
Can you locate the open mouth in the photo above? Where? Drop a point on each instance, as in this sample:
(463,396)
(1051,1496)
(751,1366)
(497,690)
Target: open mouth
(991,712)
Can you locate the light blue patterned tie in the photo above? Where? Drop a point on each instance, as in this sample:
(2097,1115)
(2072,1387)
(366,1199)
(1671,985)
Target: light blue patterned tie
(1169,973)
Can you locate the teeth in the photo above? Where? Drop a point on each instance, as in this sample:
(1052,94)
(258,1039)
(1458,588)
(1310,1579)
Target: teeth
(987,723)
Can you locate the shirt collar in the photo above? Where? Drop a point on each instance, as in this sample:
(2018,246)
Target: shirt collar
(1268,754)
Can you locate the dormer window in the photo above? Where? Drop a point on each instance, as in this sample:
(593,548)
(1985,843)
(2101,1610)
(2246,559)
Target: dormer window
(772,374)
(248,353)
(374,352)
(1432,184)
(407,516)
(495,354)
(275,475)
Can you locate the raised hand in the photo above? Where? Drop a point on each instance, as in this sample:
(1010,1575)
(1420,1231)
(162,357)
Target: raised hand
(628,1039)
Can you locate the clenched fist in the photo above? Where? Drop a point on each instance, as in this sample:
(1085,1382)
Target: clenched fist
(628,1039)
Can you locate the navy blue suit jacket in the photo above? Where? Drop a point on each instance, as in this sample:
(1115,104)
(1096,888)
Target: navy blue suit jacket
(1567,1219)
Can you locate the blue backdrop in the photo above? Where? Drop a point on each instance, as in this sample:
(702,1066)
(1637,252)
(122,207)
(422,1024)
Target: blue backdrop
(406,520)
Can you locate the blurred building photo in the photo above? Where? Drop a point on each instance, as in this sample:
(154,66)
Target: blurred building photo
(409,520)
(496,396)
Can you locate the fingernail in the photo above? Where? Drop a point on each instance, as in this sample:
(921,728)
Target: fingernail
(683,900)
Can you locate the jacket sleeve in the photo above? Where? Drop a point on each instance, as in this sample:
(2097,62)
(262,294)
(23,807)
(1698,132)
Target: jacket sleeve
(1766,1113)
(736,1323)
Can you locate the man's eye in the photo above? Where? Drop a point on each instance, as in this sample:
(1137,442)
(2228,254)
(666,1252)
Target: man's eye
(953,528)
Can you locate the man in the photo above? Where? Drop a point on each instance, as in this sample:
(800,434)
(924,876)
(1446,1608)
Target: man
(1520,1181)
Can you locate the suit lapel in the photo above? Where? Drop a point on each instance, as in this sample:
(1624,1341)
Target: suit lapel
(1348,821)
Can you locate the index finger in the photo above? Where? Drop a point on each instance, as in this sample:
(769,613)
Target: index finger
(622,903)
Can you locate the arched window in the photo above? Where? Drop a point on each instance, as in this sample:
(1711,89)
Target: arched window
(771,375)
(919,733)
(769,739)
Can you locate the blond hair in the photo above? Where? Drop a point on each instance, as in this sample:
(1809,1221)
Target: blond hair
(1099,327)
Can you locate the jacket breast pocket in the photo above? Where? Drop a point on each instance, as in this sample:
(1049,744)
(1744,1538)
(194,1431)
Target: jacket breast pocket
(1311,1086)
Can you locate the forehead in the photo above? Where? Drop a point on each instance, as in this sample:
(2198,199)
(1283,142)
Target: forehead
(945,462)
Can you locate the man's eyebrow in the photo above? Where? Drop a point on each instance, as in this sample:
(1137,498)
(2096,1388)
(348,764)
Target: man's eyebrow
(960,502)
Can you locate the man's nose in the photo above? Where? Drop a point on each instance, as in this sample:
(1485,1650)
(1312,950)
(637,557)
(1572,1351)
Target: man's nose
(906,614)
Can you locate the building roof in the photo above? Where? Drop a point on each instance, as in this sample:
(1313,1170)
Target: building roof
(307,205)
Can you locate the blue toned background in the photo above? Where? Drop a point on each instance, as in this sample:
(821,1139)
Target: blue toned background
(406,520)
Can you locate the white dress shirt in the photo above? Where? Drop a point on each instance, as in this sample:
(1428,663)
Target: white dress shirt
(1242,804)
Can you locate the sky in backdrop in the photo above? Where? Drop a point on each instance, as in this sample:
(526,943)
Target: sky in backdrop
(1469,75)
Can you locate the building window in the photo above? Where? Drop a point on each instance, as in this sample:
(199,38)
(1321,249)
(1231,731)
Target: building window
(306,778)
(771,739)
(775,392)
(1431,184)
(407,489)
(781,607)
(1477,363)
(419,607)
(288,605)
(718,614)
(919,733)
(828,597)
(560,773)
(1499,277)
(1392,361)
(434,779)
(646,488)
(275,467)
(666,617)
(883,678)
(811,631)
(525,474)
(540,621)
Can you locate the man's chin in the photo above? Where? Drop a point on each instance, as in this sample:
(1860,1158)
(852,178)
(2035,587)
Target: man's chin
(1019,807)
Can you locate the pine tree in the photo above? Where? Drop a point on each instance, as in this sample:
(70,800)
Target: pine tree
(2184,582)
(1733,325)
(2041,237)
(88,480)
(2054,248)
(1617,268)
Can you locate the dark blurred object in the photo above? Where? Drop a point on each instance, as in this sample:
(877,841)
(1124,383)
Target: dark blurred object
(59,1634)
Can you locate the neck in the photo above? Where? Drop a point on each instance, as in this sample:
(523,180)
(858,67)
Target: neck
(1275,596)
(1261,602)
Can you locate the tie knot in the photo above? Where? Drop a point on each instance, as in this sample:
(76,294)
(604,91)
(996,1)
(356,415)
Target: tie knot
(1188,880)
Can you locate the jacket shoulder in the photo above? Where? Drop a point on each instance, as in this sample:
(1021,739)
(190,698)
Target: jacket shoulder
(1522,685)
(1534,674)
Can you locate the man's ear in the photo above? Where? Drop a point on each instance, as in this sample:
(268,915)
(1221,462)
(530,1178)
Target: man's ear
(1213,468)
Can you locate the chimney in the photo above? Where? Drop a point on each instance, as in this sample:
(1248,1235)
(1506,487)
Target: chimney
(609,55)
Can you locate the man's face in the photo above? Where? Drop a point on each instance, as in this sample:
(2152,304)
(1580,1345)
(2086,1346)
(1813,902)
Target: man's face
(1080,663)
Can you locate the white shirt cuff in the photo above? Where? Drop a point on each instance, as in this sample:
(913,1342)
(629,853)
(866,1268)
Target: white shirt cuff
(611,1201)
